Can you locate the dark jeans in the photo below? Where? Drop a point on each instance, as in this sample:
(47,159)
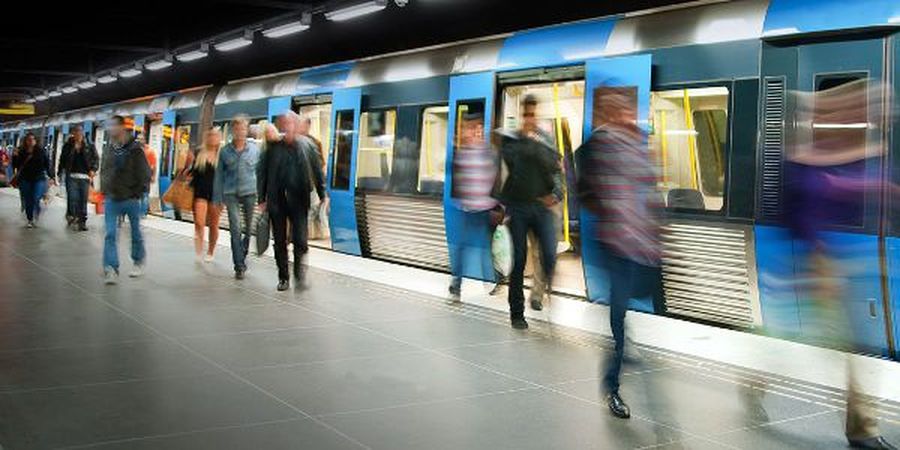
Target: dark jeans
(297,216)
(31,193)
(472,224)
(240,208)
(522,219)
(77,198)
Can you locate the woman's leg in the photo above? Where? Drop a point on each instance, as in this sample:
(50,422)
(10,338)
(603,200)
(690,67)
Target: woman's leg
(26,190)
(200,210)
(212,216)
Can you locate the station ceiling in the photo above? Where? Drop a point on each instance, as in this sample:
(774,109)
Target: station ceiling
(61,42)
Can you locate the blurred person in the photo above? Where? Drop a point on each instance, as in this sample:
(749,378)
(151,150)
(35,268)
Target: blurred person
(318,210)
(825,177)
(78,163)
(32,169)
(528,196)
(474,176)
(124,177)
(617,184)
(201,170)
(151,161)
(235,186)
(286,177)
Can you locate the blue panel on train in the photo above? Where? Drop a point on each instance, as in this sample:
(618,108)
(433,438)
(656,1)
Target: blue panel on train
(342,216)
(786,17)
(477,262)
(893,270)
(278,106)
(777,294)
(165,180)
(323,79)
(556,45)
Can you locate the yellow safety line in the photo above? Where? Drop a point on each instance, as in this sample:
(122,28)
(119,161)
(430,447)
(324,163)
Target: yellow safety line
(664,144)
(692,144)
(562,153)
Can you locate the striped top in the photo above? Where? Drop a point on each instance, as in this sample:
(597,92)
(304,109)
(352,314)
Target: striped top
(474,175)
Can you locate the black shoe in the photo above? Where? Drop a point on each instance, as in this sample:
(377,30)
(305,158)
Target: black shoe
(283,285)
(536,304)
(876,442)
(239,274)
(617,406)
(82,226)
(519,323)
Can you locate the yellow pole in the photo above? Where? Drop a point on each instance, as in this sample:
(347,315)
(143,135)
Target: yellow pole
(562,153)
(692,140)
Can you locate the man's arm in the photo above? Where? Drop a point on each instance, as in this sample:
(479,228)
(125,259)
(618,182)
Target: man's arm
(142,168)
(63,157)
(218,195)
(95,160)
(315,160)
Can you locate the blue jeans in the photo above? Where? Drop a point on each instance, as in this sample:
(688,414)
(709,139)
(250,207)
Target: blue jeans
(77,197)
(31,193)
(145,203)
(522,219)
(115,209)
(238,208)
(472,224)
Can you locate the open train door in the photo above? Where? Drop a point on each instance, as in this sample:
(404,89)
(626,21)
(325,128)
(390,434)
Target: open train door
(629,75)
(341,180)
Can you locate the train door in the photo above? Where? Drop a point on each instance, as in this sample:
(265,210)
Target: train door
(317,109)
(342,171)
(166,158)
(561,95)
(153,135)
(856,81)
(100,145)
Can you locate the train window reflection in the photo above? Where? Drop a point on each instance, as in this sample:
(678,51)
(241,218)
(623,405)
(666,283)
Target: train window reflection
(433,149)
(319,123)
(377,130)
(689,138)
(343,144)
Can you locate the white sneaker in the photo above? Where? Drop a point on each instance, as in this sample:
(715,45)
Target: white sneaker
(136,271)
(110,277)
(208,258)
(30,224)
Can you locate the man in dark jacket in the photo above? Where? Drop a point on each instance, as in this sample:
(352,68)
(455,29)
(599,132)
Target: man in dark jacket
(78,162)
(528,194)
(288,173)
(124,177)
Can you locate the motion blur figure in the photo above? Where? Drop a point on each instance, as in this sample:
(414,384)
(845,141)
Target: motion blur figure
(32,170)
(318,208)
(202,172)
(825,178)
(617,184)
(474,175)
(78,163)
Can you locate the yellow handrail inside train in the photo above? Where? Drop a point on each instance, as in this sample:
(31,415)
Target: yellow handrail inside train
(664,146)
(428,169)
(562,152)
(692,139)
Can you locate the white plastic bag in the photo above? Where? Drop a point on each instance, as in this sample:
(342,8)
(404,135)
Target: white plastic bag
(502,250)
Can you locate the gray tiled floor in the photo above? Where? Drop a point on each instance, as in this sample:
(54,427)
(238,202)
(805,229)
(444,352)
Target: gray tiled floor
(187,358)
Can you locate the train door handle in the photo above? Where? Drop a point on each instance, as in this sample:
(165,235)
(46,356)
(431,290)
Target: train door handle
(873,310)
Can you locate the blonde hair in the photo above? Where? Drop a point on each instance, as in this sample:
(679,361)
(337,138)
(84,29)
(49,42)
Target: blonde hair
(204,155)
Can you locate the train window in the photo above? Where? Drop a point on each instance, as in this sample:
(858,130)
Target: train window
(377,130)
(319,124)
(690,129)
(343,145)
(433,149)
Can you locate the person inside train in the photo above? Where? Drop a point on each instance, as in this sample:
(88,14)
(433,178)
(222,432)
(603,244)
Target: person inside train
(475,169)
(287,176)
(78,162)
(201,170)
(528,194)
(32,169)
(617,183)
(124,177)
(318,210)
(151,161)
(235,186)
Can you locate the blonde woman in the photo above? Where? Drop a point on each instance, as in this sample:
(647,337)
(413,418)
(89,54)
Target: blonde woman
(206,212)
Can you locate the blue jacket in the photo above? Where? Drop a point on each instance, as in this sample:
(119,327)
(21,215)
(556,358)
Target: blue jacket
(236,172)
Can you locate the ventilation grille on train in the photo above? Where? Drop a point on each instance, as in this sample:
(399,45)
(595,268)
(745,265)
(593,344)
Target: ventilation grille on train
(709,274)
(403,229)
(772,147)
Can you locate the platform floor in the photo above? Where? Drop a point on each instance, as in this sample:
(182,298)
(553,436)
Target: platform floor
(186,357)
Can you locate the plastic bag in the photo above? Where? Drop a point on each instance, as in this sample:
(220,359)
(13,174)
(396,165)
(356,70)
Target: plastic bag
(502,250)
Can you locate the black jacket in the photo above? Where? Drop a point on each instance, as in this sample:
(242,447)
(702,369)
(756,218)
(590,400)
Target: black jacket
(533,169)
(34,168)
(287,174)
(124,173)
(88,159)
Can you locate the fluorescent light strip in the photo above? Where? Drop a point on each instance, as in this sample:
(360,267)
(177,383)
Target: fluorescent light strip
(108,78)
(192,55)
(286,29)
(41,97)
(158,65)
(233,44)
(86,84)
(841,126)
(54,93)
(69,89)
(128,73)
(352,12)
(30,100)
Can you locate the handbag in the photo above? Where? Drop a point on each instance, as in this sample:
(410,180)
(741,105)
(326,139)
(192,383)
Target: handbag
(180,195)
(261,226)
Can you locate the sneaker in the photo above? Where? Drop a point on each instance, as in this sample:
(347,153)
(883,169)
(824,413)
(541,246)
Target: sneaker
(536,304)
(136,271)
(30,224)
(110,276)
(283,285)
(519,323)
(82,226)
(617,406)
(208,258)
(239,274)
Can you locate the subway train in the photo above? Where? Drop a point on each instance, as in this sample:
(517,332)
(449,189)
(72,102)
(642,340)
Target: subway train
(712,83)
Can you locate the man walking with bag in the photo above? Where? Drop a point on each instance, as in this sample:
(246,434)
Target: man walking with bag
(79,162)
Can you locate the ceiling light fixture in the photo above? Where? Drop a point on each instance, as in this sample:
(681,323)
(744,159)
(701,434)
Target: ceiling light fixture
(132,71)
(87,84)
(69,89)
(352,12)
(195,54)
(41,97)
(54,93)
(30,100)
(236,42)
(108,78)
(160,64)
(289,28)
